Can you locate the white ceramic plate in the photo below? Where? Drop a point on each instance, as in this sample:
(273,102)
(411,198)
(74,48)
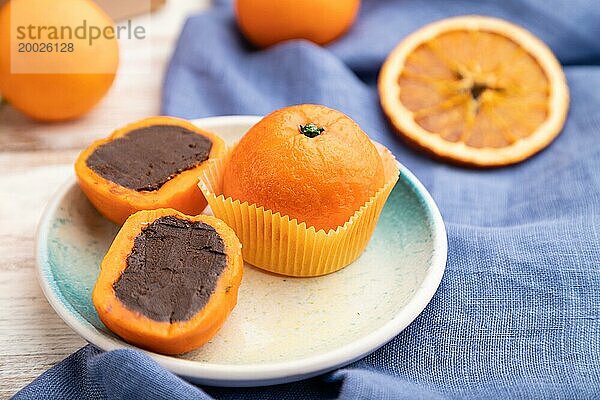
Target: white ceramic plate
(283,329)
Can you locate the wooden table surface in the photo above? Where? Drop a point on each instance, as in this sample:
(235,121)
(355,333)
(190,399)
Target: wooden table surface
(35,159)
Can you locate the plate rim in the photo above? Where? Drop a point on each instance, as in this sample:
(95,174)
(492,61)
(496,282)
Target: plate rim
(256,374)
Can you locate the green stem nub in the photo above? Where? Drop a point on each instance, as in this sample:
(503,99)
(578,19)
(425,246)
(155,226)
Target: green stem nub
(311,130)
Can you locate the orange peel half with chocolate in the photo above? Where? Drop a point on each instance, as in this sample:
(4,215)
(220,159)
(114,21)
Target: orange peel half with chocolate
(153,163)
(169,281)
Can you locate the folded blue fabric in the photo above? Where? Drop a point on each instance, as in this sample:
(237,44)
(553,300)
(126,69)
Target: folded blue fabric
(518,311)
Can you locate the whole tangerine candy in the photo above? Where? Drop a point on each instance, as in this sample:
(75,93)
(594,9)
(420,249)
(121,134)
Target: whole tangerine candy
(308,162)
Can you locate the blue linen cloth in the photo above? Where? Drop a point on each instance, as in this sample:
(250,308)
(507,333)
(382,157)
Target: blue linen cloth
(518,312)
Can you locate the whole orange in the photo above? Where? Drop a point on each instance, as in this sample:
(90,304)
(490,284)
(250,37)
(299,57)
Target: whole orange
(57,85)
(266,22)
(308,162)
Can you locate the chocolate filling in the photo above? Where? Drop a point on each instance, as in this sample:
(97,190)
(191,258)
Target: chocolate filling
(172,270)
(146,158)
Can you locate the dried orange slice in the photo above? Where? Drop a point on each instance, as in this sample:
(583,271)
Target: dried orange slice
(475,90)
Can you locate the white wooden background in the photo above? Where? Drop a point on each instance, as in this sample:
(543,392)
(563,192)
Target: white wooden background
(34,160)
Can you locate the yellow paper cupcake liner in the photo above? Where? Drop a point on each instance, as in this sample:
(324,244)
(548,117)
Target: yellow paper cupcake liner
(275,243)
